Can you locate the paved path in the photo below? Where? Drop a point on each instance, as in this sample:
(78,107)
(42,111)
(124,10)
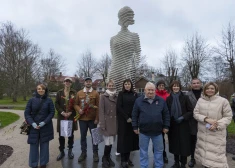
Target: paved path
(19,159)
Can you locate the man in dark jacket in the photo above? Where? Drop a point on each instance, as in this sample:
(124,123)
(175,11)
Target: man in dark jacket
(150,117)
(194,95)
(64,105)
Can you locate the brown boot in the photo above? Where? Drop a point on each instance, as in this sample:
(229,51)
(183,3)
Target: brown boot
(43,166)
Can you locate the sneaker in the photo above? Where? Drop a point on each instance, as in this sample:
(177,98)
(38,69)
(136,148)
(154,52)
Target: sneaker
(82,157)
(95,157)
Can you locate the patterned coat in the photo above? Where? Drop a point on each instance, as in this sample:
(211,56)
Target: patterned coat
(107,114)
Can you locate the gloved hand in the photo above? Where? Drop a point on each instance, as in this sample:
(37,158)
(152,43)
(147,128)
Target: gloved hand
(41,124)
(129,120)
(34,125)
(179,120)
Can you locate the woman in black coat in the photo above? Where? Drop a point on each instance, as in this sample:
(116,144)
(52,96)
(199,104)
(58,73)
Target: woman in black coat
(39,113)
(127,140)
(181,111)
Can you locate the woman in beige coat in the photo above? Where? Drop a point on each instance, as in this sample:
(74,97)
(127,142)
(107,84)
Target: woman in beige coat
(213,114)
(108,121)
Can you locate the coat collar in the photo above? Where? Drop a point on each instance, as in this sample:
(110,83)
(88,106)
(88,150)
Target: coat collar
(111,98)
(90,90)
(191,94)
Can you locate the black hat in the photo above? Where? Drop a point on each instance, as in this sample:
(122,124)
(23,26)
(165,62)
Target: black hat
(161,82)
(88,78)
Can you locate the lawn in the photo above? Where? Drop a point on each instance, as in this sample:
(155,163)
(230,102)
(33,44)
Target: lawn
(7,118)
(231,128)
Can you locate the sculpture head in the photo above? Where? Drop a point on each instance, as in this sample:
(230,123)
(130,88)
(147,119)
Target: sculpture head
(126,16)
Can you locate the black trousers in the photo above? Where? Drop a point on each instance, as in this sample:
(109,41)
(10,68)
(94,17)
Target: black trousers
(181,159)
(62,142)
(125,157)
(193,145)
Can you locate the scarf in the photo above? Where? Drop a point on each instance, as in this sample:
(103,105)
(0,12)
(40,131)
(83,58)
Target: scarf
(197,93)
(175,107)
(110,93)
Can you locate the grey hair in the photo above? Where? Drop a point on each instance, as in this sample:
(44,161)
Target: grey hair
(149,84)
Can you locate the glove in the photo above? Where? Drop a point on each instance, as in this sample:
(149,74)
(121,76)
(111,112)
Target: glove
(34,125)
(41,124)
(129,120)
(179,120)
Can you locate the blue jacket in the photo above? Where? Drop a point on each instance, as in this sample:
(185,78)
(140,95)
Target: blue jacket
(150,118)
(45,133)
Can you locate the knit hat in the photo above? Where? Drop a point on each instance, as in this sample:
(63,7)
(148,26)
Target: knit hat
(160,82)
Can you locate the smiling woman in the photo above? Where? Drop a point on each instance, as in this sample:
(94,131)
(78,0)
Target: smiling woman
(7,118)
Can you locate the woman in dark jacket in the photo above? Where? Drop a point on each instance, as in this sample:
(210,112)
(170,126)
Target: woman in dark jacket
(127,140)
(181,111)
(39,113)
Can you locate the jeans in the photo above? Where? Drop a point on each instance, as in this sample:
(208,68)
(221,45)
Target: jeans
(84,125)
(158,150)
(34,154)
(62,142)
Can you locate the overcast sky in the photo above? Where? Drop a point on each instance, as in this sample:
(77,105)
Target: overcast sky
(70,27)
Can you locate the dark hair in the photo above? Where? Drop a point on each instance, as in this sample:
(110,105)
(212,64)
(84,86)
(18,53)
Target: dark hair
(127,80)
(208,84)
(196,79)
(160,82)
(175,82)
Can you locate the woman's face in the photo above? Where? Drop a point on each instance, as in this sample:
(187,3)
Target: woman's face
(40,90)
(175,88)
(111,86)
(161,87)
(127,86)
(210,91)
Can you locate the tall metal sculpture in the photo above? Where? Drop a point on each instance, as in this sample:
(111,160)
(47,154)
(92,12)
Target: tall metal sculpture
(125,50)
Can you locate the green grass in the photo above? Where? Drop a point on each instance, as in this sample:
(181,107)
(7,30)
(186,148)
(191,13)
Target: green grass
(231,128)
(8,101)
(8,118)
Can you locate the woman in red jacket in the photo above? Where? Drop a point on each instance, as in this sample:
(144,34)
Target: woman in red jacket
(161,92)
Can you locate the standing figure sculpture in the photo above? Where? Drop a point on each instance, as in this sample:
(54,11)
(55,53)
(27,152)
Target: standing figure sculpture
(125,50)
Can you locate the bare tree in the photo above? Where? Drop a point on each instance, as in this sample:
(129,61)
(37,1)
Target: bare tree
(226,49)
(102,67)
(195,55)
(170,65)
(52,65)
(87,65)
(185,77)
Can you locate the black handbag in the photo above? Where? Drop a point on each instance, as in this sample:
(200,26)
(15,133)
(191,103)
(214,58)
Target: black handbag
(25,127)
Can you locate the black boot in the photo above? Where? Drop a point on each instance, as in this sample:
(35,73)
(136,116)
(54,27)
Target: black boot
(191,163)
(176,165)
(70,154)
(105,162)
(124,164)
(60,156)
(130,163)
(111,163)
(182,166)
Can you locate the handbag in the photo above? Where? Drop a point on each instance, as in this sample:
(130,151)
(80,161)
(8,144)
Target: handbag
(97,137)
(66,127)
(25,127)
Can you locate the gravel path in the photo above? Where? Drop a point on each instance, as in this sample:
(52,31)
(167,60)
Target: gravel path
(11,136)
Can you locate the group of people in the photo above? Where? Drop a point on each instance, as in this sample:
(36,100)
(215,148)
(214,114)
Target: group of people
(195,123)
